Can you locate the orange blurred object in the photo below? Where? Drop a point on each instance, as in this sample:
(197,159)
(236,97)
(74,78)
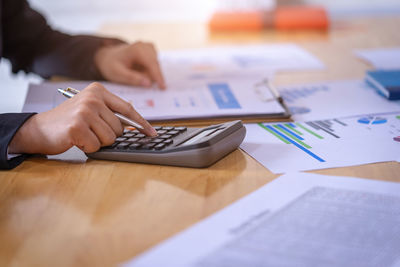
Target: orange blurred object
(282,18)
(237,21)
(299,17)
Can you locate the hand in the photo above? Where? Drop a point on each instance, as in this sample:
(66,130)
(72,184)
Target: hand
(134,64)
(86,121)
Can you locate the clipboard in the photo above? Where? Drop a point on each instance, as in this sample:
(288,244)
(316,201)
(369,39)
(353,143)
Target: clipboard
(259,88)
(43,97)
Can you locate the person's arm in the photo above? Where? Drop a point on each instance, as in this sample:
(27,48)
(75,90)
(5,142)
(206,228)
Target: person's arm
(9,125)
(33,46)
(86,120)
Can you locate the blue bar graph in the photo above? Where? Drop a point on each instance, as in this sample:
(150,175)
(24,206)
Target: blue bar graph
(295,143)
(223,96)
(291,132)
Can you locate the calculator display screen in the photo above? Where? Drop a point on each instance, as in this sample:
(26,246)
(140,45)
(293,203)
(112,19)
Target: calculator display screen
(196,138)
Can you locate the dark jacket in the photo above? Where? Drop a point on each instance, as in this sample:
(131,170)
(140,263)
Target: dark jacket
(32,46)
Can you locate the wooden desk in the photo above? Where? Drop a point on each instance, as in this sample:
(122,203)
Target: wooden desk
(100,213)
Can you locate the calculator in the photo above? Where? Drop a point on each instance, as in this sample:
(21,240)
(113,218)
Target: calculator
(177,146)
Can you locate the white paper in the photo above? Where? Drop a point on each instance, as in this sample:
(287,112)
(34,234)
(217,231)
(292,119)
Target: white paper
(254,61)
(382,58)
(297,220)
(201,99)
(335,143)
(338,98)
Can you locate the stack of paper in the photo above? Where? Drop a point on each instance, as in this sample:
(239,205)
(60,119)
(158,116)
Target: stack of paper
(296,220)
(336,124)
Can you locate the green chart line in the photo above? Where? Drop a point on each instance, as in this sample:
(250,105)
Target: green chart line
(271,132)
(309,131)
(291,136)
(293,129)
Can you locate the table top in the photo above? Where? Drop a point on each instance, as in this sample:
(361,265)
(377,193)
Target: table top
(101,213)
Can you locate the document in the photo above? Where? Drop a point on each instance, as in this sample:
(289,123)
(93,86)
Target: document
(227,62)
(337,98)
(186,100)
(216,82)
(382,58)
(298,219)
(325,143)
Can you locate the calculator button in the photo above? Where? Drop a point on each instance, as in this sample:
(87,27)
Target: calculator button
(168,141)
(167,128)
(120,139)
(134,146)
(149,146)
(157,128)
(122,145)
(140,135)
(157,140)
(181,129)
(145,140)
(159,146)
(165,136)
(132,140)
(129,135)
(173,132)
(111,146)
(160,132)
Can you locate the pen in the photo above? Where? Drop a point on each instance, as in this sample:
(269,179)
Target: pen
(70,92)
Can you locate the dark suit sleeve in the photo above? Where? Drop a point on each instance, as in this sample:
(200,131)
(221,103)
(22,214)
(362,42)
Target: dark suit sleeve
(9,125)
(32,46)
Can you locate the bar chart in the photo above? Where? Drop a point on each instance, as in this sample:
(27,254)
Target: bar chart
(318,144)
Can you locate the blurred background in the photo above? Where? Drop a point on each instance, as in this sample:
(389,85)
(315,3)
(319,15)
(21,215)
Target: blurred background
(88,16)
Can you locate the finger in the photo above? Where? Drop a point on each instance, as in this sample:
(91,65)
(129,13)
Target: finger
(103,131)
(129,76)
(85,139)
(113,122)
(116,104)
(149,60)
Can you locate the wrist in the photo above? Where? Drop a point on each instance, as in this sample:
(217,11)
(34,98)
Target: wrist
(24,140)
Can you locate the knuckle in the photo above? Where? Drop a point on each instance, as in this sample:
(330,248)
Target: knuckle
(119,131)
(129,108)
(84,110)
(135,79)
(96,85)
(109,139)
(73,129)
(92,146)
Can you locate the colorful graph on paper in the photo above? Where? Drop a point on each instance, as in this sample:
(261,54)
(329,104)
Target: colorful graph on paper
(338,98)
(318,144)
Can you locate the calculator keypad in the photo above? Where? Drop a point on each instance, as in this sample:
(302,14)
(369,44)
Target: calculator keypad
(134,140)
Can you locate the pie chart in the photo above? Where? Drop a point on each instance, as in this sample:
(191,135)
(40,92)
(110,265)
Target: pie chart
(372,120)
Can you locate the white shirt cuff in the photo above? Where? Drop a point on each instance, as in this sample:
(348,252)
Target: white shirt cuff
(10,156)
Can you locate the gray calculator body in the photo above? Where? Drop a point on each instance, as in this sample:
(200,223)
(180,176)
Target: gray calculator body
(177,146)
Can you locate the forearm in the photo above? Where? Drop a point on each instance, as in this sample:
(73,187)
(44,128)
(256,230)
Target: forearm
(9,125)
(33,46)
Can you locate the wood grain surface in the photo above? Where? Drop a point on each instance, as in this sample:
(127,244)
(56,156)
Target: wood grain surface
(101,213)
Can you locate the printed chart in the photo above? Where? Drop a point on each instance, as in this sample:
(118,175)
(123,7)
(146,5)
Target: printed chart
(342,98)
(186,100)
(318,144)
